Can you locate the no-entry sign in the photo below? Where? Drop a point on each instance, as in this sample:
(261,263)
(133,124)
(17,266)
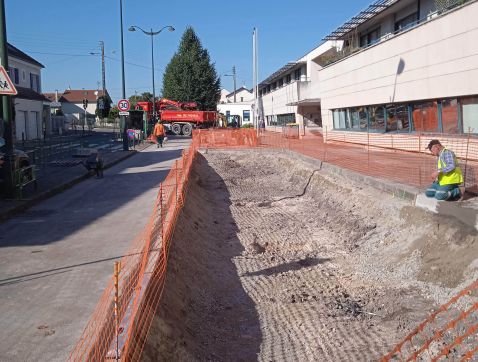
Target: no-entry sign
(123,105)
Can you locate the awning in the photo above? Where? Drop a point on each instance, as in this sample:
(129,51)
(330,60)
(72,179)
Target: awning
(306,102)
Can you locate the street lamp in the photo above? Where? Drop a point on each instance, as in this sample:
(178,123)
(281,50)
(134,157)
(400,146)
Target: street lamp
(152,34)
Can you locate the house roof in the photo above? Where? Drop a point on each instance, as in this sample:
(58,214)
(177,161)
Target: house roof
(17,53)
(77,95)
(373,9)
(239,90)
(50,96)
(30,94)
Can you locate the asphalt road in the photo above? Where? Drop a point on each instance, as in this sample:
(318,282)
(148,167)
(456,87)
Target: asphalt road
(56,258)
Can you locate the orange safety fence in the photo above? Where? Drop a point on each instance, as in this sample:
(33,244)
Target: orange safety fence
(447,332)
(109,335)
(118,327)
(401,158)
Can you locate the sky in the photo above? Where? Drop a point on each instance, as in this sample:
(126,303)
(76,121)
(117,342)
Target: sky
(62,34)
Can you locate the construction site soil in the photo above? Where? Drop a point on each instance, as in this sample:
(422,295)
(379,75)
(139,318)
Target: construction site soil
(276,260)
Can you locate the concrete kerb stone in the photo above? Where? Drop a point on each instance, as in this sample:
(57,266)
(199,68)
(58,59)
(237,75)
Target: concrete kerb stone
(26,204)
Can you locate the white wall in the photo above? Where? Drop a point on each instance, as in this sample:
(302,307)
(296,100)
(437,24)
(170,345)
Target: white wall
(24,71)
(28,119)
(439,60)
(236,109)
(275,102)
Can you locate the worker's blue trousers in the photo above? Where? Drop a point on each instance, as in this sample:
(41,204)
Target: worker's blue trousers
(445,192)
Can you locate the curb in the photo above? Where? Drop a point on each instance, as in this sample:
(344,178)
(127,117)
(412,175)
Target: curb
(5,215)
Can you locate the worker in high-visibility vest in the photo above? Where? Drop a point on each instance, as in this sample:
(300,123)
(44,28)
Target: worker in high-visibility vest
(448,177)
(158,132)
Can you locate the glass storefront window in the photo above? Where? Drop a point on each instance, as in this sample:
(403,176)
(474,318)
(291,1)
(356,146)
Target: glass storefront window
(339,118)
(377,118)
(469,112)
(354,118)
(397,118)
(425,117)
(449,116)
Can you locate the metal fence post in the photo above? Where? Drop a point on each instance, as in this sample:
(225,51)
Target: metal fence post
(116,281)
(466,157)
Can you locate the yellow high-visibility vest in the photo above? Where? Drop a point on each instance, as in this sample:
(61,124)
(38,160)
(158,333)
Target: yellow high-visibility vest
(452,177)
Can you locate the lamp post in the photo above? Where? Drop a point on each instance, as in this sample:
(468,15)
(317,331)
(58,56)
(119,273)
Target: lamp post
(152,34)
(123,88)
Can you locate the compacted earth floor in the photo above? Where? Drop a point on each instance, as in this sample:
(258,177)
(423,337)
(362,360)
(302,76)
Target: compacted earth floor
(274,259)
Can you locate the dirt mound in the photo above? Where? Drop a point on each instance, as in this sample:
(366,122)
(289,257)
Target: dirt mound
(275,260)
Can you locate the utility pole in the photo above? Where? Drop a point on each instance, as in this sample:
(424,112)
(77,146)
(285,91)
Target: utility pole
(233,75)
(123,86)
(7,114)
(234,78)
(103,70)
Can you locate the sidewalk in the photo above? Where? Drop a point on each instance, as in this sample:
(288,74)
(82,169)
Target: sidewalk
(56,179)
(57,257)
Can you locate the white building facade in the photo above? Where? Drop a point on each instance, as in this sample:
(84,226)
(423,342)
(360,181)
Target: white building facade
(240,111)
(412,66)
(32,114)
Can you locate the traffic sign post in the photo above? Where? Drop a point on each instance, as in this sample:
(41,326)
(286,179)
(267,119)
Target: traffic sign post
(123,105)
(6,85)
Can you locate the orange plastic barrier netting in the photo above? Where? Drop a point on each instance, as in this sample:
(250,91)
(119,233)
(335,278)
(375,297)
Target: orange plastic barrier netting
(449,332)
(141,279)
(123,329)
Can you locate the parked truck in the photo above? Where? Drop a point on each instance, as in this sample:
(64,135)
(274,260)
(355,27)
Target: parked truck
(179,117)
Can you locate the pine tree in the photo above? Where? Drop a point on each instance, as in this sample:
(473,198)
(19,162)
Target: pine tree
(190,76)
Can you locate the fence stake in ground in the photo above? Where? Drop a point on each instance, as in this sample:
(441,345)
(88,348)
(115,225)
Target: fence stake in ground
(117,271)
(466,158)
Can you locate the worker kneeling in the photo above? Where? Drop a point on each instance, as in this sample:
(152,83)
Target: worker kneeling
(448,177)
(159,133)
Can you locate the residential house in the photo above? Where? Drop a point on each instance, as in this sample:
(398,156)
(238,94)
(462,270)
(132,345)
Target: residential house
(71,101)
(239,111)
(32,113)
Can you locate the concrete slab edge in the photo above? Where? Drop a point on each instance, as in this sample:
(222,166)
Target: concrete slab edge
(57,189)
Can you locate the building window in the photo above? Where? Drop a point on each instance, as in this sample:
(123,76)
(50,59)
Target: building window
(287,78)
(281,82)
(274,85)
(397,118)
(370,38)
(469,113)
(425,117)
(376,118)
(242,99)
(297,73)
(449,116)
(406,22)
(339,116)
(14,76)
(35,82)
(358,118)
(246,116)
(283,119)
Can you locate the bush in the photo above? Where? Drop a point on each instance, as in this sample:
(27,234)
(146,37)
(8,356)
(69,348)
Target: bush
(247,125)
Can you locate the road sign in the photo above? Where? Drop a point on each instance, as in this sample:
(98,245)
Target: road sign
(124,113)
(6,85)
(101,104)
(123,105)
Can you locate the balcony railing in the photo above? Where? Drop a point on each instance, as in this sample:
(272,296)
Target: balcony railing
(442,6)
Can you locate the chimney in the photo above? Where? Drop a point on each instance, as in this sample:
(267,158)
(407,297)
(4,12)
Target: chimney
(56,95)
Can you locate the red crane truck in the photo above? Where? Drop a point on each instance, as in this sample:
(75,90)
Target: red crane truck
(178,117)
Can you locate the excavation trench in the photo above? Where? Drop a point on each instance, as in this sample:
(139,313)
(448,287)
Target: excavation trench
(274,260)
